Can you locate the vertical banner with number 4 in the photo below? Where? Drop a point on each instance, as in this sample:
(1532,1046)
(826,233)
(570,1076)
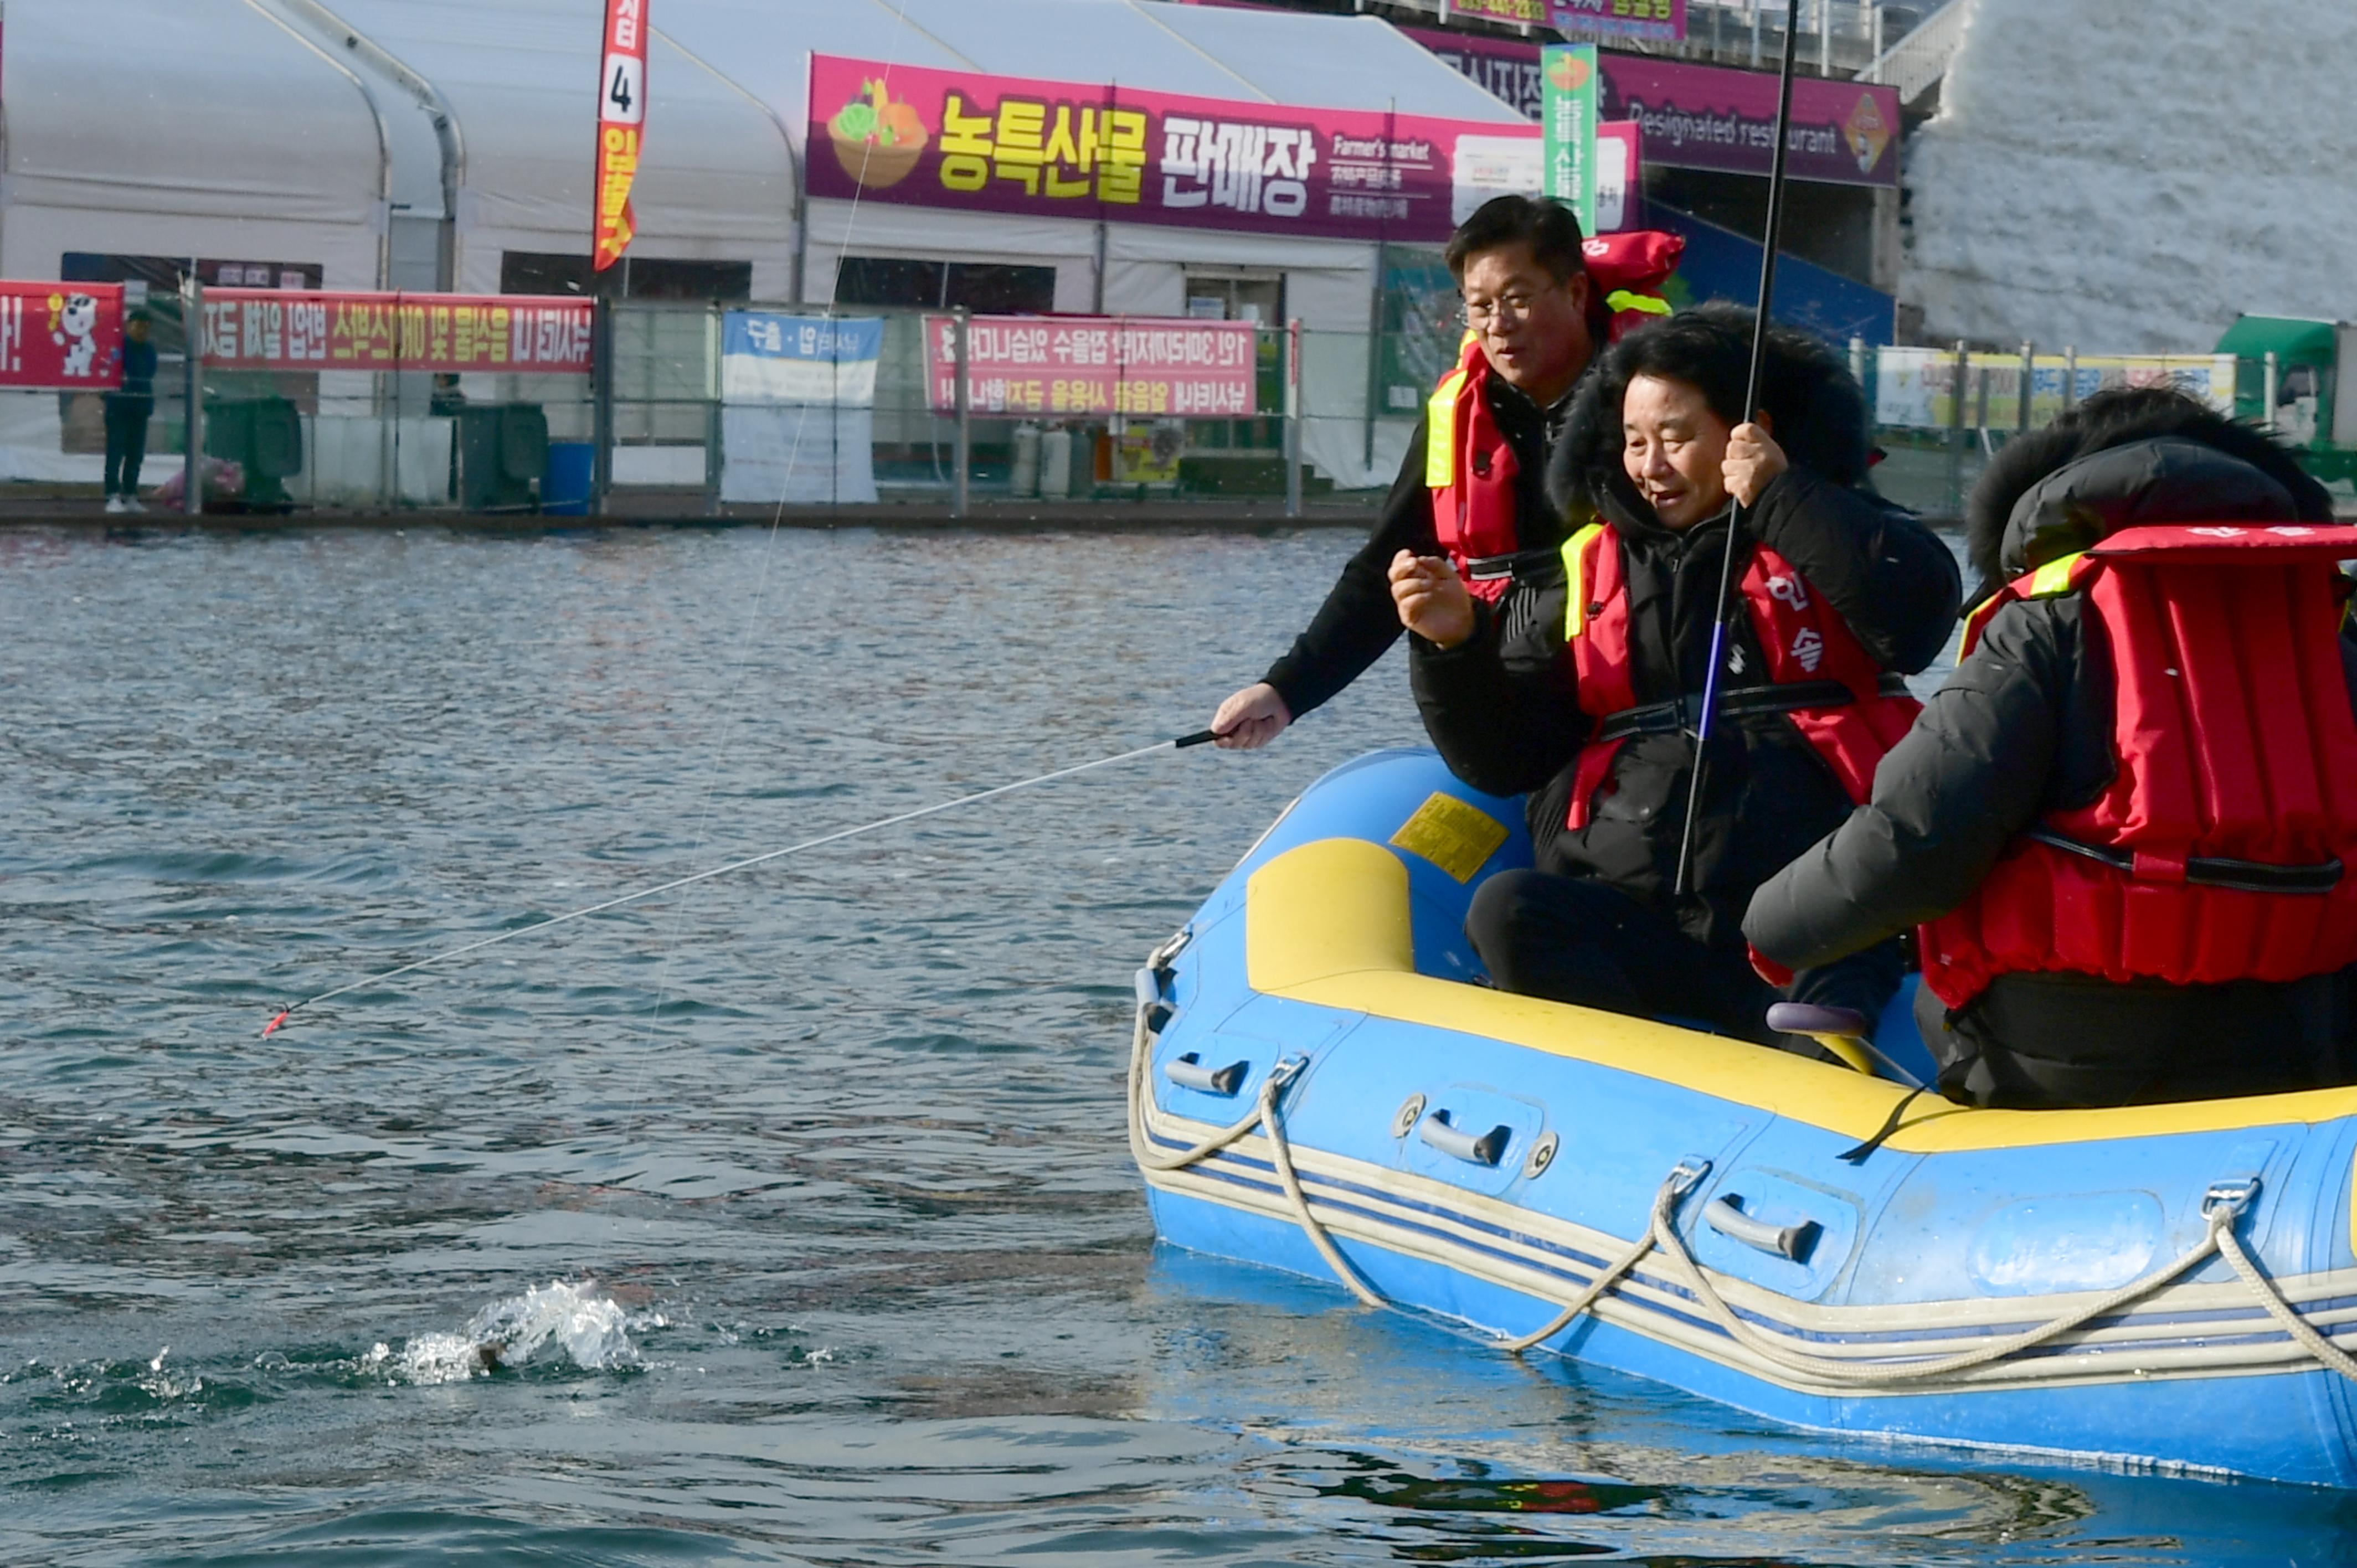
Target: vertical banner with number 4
(621,117)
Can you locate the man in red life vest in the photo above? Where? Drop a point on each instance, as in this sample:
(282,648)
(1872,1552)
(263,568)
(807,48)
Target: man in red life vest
(1583,685)
(1473,484)
(2127,826)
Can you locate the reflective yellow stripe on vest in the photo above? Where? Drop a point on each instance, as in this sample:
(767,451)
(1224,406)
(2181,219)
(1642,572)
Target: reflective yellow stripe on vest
(1621,299)
(2054,577)
(1440,432)
(1574,579)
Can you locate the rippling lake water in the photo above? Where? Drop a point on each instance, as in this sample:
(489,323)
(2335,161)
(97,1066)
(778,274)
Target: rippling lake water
(799,1200)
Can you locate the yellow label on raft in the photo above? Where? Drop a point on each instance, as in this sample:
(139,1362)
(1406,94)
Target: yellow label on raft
(1451,835)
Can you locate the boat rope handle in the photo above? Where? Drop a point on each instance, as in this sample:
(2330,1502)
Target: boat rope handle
(1265,1116)
(1611,1276)
(2222,1205)
(2282,1311)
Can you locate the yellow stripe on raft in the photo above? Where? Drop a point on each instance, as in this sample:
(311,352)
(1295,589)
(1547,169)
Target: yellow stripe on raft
(1327,923)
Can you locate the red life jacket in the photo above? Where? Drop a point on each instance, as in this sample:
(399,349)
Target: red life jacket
(2216,853)
(1470,469)
(1631,270)
(1467,465)
(1819,676)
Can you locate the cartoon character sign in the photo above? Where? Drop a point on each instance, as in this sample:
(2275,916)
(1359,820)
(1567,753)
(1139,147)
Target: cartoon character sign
(74,327)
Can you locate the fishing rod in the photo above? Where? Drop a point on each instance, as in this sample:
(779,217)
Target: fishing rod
(1751,391)
(1180,744)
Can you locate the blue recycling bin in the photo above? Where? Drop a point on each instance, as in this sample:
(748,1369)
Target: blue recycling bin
(565,488)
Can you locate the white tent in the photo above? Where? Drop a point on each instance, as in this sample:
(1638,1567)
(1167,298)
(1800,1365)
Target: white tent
(403,142)
(519,77)
(185,128)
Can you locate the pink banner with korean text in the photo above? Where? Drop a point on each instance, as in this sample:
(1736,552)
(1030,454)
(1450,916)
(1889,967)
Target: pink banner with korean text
(271,329)
(994,144)
(1094,366)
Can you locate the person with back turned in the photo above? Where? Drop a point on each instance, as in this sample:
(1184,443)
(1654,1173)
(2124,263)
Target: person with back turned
(128,407)
(1583,686)
(1473,484)
(2126,826)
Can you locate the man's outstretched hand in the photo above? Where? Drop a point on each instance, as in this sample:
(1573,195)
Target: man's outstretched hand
(1250,719)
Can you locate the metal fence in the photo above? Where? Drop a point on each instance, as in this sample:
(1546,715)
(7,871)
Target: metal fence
(661,431)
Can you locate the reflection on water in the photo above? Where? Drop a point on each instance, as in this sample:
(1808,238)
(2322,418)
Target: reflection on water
(786,1219)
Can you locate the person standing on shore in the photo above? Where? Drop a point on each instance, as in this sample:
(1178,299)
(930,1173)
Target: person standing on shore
(127,411)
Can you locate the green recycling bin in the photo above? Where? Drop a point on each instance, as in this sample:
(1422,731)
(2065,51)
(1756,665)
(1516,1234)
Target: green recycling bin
(264,437)
(502,453)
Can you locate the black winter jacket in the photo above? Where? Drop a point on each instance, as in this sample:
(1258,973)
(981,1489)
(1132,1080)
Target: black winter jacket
(2024,726)
(1358,623)
(1502,708)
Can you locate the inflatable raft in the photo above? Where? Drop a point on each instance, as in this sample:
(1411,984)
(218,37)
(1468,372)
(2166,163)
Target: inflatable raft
(1320,1083)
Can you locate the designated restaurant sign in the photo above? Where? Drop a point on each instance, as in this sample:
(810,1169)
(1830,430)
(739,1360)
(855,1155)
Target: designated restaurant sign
(1094,365)
(274,329)
(1703,116)
(995,143)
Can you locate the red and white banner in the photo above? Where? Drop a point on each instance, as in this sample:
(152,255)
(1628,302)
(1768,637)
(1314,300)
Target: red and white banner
(621,118)
(61,335)
(1094,365)
(274,329)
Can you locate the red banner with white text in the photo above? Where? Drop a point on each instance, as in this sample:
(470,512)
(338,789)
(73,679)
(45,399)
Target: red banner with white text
(1094,365)
(274,329)
(621,120)
(62,334)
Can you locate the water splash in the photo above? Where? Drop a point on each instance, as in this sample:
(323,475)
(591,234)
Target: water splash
(575,1320)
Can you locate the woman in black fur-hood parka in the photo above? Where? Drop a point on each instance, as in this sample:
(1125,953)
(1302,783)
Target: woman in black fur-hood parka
(1599,921)
(2025,728)
(1815,409)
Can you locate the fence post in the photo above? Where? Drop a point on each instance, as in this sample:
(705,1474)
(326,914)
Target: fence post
(1956,435)
(2021,401)
(1293,418)
(960,496)
(192,423)
(601,403)
(2070,377)
(1755,34)
(712,453)
(2268,385)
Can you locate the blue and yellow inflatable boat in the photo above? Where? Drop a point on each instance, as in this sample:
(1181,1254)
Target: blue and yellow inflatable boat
(1317,1083)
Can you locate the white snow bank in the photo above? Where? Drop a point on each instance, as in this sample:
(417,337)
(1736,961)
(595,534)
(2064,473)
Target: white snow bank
(2127,175)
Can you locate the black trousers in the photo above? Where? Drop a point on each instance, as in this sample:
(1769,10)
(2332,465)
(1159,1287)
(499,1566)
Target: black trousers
(2042,1042)
(126,442)
(1576,940)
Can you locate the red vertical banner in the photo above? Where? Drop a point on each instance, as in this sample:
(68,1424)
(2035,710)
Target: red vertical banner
(621,118)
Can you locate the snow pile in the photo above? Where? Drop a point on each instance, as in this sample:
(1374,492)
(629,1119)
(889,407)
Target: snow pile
(2128,176)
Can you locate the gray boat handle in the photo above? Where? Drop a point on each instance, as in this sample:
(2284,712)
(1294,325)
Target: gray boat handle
(1791,1241)
(1189,1072)
(1483,1150)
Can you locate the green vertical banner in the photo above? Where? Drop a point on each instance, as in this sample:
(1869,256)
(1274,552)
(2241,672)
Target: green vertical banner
(1568,118)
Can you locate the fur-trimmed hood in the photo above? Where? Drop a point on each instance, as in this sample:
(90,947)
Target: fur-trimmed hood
(1815,409)
(2124,459)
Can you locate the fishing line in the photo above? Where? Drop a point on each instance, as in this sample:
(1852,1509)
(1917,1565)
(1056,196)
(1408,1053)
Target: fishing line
(1721,611)
(829,313)
(1182,742)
